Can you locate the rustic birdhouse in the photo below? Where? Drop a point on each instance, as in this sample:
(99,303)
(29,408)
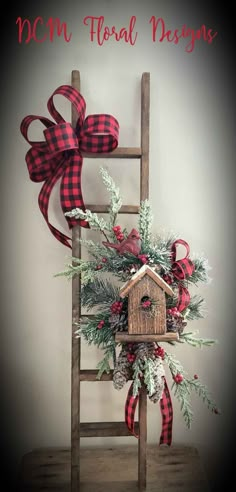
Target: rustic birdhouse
(146,292)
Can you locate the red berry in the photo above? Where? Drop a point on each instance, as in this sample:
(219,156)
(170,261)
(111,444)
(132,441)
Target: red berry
(178,378)
(100,324)
(159,352)
(116,228)
(130,357)
(98,267)
(104,260)
(120,237)
(195,376)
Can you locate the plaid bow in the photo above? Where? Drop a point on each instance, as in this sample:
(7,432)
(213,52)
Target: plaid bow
(166,412)
(181,270)
(59,156)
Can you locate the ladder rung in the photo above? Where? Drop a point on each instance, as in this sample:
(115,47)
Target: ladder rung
(167,337)
(125,209)
(118,153)
(91,375)
(105,429)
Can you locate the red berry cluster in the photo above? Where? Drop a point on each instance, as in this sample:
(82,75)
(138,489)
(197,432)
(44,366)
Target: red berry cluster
(130,355)
(101,324)
(159,352)
(178,378)
(116,307)
(98,267)
(119,235)
(146,304)
(143,258)
(168,279)
(174,311)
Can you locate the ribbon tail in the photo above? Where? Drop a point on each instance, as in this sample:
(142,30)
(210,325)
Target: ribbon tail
(167,416)
(43,201)
(71,189)
(130,407)
(183,298)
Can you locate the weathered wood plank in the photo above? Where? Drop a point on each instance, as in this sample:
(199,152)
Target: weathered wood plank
(105,429)
(125,209)
(91,375)
(142,443)
(118,153)
(170,469)
(167,337)
(145,110)
(76,345)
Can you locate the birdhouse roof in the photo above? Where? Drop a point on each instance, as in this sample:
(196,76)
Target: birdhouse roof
(145,270)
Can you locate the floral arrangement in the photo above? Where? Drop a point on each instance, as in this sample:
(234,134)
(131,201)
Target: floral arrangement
(120,255)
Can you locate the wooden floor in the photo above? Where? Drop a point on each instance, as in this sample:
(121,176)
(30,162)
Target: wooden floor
(174,469)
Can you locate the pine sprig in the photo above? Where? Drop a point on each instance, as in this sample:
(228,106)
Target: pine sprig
(182,393)
(196,308)
(104,364)
(138,369)
(89,330)
(115,198)
(149,372)
(200,273)
(96,250)
(77,267)
(99,292)
(196,341)
(145,222)
(203,392)
(174,365)
(95,222)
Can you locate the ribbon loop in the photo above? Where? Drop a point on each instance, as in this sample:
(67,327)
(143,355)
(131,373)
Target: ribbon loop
(182,269)
(60,138)
(59,156)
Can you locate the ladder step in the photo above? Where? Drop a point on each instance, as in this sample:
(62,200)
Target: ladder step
(105,429)
(118,153)
(91,375)
(125,209)
(167,337)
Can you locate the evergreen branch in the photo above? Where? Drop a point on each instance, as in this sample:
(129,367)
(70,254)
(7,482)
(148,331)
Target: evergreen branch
(97,223)
(78,267)
(200,273)
(103,337)
(195,341)
(149,371)
(137,373)
(104,365)
(115,199)
(195,309)
(145,222)
(100,291)
(174,365)
(96,250)
(181,392)
(158,254)
(203,392)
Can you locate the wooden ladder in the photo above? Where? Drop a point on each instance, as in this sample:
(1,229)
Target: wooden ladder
(106,429)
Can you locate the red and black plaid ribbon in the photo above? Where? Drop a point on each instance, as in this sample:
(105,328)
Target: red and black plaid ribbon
(59,156)
(166,412)
(181,270)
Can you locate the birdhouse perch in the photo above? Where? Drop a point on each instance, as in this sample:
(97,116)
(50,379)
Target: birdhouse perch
(146,292)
